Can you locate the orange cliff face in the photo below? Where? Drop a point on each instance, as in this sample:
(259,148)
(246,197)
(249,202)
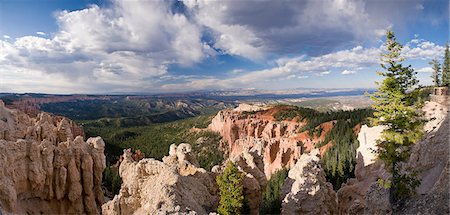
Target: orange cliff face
(281,142)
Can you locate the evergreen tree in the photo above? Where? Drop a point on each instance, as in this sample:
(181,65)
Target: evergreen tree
(271,203)
(396,109)
(446,68)
(436,72)
(111,179)
(231,190)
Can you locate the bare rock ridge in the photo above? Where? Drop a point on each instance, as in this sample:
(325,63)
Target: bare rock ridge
(176,185)
(46,167)
(368,170)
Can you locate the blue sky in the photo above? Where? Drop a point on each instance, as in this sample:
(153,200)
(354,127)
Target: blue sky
(66,46)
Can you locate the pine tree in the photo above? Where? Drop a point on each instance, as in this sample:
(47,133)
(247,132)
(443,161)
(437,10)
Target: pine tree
(396,109)
(271,203)
(231,190)
(446,68)
(436,72)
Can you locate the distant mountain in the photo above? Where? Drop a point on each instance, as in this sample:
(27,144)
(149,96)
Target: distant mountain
(153,108)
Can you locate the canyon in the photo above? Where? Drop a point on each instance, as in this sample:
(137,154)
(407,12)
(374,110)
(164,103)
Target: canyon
(47,166)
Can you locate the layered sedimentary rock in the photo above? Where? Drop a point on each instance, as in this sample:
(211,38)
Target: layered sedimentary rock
(280,141)
(306,190)
(46,168)
(176,185)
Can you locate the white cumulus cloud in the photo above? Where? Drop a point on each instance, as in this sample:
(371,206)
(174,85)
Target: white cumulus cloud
(131,46)
(425,69)
(348,61)
(348,72)
(126,46)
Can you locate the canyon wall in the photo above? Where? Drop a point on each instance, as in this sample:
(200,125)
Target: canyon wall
(46,167)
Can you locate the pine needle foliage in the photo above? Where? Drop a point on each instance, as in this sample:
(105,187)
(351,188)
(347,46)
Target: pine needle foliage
(446,68)
(396,107)
(271,203)
(231,190)
(436,75)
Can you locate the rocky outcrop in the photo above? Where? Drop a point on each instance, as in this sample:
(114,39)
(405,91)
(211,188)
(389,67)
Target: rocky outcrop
(353,194)
(280,141)
(136,155)
(306,190)
(250,108)
(429,158)
(176,185)
(15,124)
(367,138)
(250,162)
(356,192)
(45,168)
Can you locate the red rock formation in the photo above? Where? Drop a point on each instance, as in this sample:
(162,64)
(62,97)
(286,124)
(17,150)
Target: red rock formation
(281,140)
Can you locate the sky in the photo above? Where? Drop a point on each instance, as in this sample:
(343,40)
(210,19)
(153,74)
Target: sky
(149,46)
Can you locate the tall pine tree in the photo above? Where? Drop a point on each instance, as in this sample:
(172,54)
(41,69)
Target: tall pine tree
(446,68)
(436,76)
(396,108)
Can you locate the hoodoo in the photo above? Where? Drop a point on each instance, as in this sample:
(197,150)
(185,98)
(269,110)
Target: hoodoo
(46,167)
